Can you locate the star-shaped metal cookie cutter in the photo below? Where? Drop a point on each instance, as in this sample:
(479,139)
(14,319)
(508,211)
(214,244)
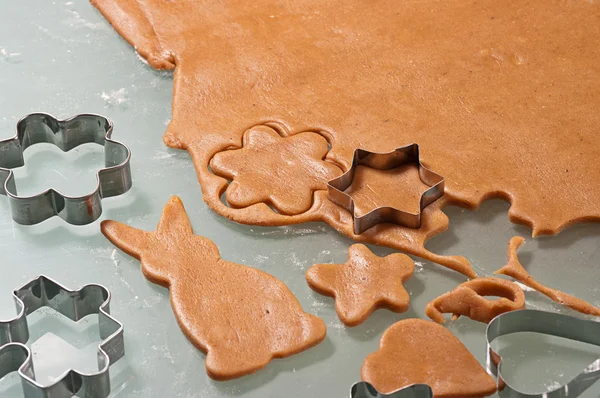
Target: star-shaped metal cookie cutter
(386,161)
(549,323)
(364,389)
(113,180)
(15,356)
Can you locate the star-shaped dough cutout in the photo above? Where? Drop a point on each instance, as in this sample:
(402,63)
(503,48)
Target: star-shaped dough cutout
(292,167)
(384,201)
(399,188)
(364,283)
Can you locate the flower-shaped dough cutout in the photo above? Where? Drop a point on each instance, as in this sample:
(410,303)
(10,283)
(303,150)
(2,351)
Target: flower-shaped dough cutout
(291,167)
(364,283)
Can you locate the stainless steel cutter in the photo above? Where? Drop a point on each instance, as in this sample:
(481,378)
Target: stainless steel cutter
(15,356)
(113,180)
(364,389)
(386,161)
(548,323)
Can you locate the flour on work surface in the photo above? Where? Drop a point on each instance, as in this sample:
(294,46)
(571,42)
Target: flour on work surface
(115,97)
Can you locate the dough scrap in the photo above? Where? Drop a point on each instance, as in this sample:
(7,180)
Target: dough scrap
(418,351)
(266,160)
(467,299)
(502,97)
(364,283)
(515,270)
(241,317)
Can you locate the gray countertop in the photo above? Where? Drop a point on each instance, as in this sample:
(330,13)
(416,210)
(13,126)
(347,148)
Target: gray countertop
(64,58)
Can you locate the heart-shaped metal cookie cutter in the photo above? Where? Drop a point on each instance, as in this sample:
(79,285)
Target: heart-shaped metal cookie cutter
(549,323)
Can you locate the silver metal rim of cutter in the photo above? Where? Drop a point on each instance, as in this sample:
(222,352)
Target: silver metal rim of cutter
(113,180)
(15,356)
(385,161)
(365,389)
(549,323)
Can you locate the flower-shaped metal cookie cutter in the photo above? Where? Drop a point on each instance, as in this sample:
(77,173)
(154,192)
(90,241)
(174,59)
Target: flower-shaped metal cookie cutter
(113,180)
(364,389)
(15,356)
(549,323)
(386,161)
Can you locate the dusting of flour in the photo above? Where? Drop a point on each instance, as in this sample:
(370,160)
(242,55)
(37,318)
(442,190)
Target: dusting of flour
(115,97)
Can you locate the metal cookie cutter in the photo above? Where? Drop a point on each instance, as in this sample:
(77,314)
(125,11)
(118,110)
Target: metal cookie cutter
(551,324)
(74,304)
(386,161)
(364,389)
(113,180)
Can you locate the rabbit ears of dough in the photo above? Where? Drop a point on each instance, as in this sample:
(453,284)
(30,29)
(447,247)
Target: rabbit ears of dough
(174,222)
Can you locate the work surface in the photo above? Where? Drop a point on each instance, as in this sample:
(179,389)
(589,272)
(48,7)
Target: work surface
(64,58)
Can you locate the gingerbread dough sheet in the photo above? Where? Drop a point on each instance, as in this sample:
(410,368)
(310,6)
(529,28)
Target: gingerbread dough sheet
(240,316)
(502,98)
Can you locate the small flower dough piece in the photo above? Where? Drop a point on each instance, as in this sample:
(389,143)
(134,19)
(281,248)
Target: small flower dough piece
(467,299)
(241,317)
(515,270)
(364,283)
(418,351)
(280,171)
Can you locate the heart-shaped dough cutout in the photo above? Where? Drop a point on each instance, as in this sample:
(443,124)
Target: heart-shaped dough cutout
(417,351)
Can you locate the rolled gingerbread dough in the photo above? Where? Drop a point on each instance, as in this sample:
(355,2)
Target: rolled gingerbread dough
(415,351)
(502,98)
(364,283)
(240,327)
